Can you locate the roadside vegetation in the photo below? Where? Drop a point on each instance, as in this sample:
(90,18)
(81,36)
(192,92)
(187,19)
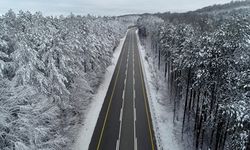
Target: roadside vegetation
(205,56)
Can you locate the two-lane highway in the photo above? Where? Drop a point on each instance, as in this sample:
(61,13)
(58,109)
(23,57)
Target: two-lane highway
(124,122)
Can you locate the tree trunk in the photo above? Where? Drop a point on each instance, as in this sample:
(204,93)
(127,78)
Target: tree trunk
(175,96)
(171,83)
(199,127)
(185,107)
(203,131)
(225,135)
(174,110)
(197,118)
(169,72)
(213,128)
(159,59)
(190,103)
(197,113)
(193,101)
(218,135)
(166,69)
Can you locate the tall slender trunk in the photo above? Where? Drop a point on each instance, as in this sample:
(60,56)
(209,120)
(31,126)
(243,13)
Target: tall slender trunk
(222,135)
(171,82)
(197,118)
(197,113)
(185,107)
(203,131)
(213,128)
(193,101)
(166,69)
(174,114)
(218,135)
(190,99)
(199,126)
(175,94)
(178,91)
(173,85)
(225,135)
(169,72)
(159,59)
(190,103)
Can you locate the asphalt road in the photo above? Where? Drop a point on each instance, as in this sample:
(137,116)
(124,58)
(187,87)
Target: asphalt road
(124,122)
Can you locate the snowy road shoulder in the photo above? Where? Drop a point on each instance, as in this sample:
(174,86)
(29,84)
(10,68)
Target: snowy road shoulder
(162,115)
(92,115)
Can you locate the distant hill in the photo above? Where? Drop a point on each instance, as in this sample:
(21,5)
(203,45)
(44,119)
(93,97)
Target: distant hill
(225,7)
(217,8)
(201,17)
(197,17)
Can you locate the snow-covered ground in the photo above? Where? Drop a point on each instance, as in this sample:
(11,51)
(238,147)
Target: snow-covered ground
(167,133)
(86,132)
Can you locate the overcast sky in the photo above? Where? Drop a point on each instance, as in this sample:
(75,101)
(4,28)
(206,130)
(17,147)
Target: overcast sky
(104,7)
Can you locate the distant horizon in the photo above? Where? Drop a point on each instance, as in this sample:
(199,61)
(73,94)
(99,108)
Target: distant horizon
(104,8)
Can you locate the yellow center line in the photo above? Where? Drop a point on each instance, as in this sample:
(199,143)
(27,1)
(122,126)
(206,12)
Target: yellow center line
(110,100)
(145,100)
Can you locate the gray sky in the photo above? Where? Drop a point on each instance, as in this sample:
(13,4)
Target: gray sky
(104,7)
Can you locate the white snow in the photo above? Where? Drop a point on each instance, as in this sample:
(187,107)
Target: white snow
(162,115)
(86,132)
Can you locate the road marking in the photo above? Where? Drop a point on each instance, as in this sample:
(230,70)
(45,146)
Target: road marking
(121,113)
(110,100)
(123,94)
(145,99)
(117,144)
(134,109)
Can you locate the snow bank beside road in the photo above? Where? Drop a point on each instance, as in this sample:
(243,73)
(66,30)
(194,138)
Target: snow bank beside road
(162,114)
(92,115)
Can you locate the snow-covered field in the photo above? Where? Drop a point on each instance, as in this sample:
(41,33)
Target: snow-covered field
(166,131)
(92,113)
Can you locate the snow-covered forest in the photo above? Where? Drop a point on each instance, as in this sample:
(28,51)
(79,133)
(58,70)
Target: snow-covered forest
(205,58)
(52,66)
(49,69)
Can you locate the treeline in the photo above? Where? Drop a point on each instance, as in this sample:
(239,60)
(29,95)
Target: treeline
(49,69)
(207,66)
